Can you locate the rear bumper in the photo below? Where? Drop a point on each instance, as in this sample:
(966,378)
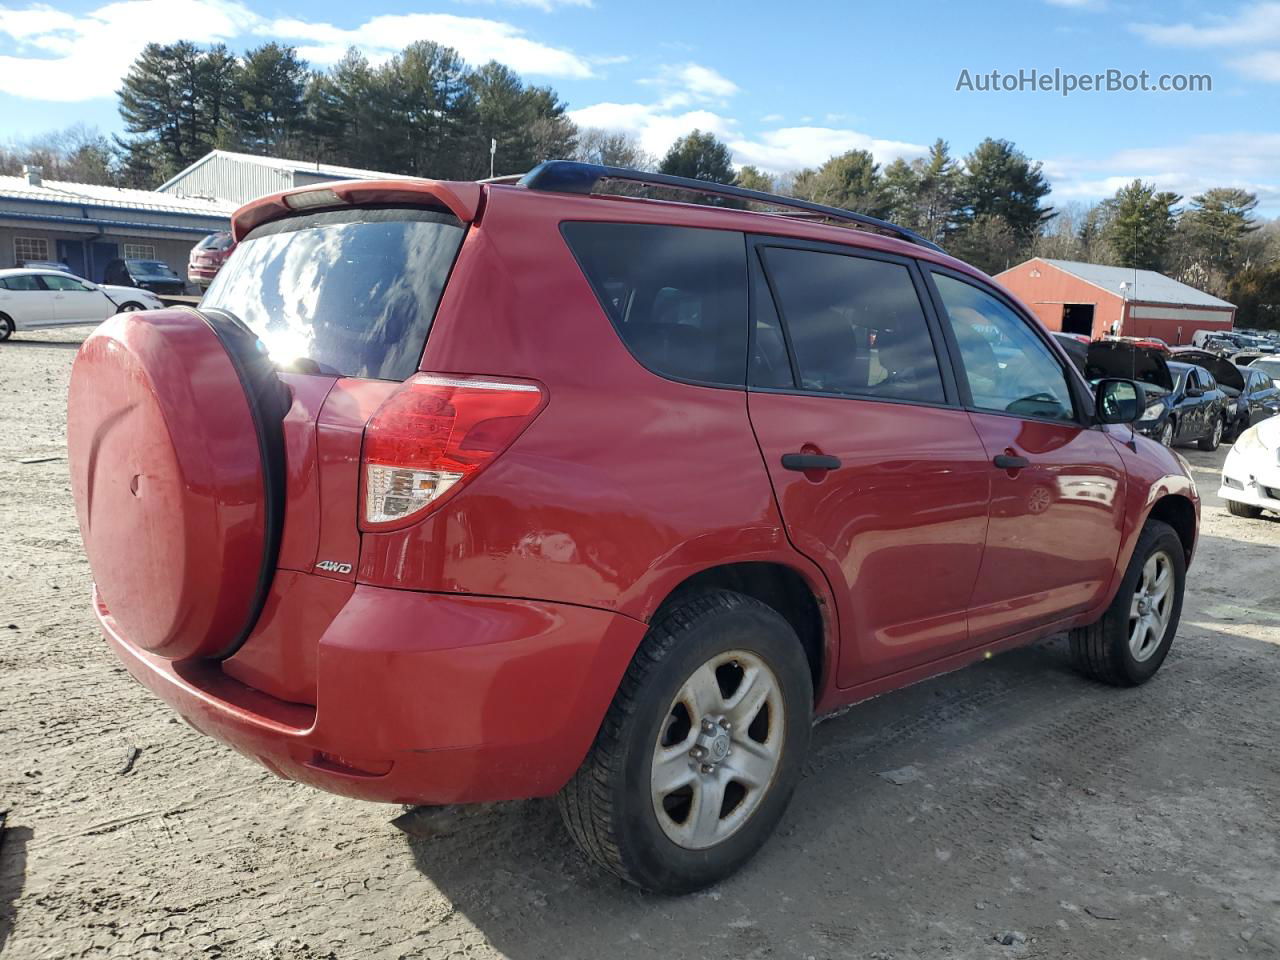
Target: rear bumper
(421,698)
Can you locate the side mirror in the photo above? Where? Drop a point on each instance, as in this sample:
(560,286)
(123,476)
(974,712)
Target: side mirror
(1119,401)
(1194,391)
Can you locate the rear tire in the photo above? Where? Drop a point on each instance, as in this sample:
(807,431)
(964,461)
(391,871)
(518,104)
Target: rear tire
(1127,646)
(1246,510)
(6,327)
(1214,439)
(636,805)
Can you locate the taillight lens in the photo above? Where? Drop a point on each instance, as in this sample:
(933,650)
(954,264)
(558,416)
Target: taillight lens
(435,433)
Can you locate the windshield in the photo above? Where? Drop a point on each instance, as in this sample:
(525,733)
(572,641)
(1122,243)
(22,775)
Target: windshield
(1270,367)
(344,292)
(150,268)
(215,241)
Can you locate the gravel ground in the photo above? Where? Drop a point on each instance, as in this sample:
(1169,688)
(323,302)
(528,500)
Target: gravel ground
(1031,805)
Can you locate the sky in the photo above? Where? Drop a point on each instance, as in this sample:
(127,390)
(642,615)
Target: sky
(785,85)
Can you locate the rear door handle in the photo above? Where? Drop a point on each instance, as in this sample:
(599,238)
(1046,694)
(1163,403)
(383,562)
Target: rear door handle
(1007,462)
(810,461)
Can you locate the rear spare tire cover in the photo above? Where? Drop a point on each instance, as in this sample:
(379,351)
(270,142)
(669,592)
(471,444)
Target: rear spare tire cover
(169,483)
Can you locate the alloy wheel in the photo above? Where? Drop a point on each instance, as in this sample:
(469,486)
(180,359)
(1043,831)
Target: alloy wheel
(718,750)
(1151,607)
(1166,434)
(1217,432)
(6,328)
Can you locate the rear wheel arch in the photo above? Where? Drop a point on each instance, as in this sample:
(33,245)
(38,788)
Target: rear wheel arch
(783,588)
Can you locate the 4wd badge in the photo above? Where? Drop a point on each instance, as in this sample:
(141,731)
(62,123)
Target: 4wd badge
(333,566)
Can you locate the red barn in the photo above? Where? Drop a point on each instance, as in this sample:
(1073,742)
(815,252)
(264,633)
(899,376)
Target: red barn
(1095,300)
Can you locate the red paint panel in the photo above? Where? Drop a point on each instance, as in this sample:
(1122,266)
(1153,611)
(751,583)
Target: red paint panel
(898,528)
(167,481)
(1055,526)
(301,535)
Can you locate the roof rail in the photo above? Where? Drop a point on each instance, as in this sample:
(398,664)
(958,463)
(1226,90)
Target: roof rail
(570,176)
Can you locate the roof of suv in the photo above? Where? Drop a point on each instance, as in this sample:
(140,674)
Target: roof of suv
(574,182)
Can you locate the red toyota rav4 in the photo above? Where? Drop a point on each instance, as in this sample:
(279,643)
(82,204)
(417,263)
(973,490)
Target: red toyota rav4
(465,492)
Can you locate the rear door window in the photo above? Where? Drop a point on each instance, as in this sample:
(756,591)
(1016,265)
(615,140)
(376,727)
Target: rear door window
(855,325)
(345,292)
(676,295)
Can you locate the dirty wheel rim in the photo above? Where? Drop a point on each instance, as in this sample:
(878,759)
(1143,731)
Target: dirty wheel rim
(718,750)
(1151,607)
(1166,435)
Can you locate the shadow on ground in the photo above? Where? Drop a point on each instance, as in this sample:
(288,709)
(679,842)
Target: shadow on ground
(1046,804)
(13,871)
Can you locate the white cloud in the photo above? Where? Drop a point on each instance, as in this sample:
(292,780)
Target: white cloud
(1251,25)
(546,6)
(476,39)
(1246,160)
(654,125)
(1254,26)
(66,57)
(1264,66)
(789,148)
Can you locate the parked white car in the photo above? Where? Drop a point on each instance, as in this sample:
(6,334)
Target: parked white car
(1251,474)
(49,298)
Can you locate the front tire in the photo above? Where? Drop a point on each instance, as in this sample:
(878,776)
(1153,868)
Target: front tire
(1166,433)
(1214,439)
(700,751)
(1127,646)
(6,327)
(1246,510)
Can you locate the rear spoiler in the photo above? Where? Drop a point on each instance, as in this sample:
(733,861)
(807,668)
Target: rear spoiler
(459,197)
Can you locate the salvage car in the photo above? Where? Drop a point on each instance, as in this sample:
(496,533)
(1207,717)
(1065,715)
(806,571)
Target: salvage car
(1184,403)
(207,258)
(1251,472)
(1268,365)
(467,492)
(1260,398)
(32,299)
(1231,381)
(154,275)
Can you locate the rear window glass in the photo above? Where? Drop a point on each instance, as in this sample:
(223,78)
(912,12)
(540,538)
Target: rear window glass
(349,292)
(677,295)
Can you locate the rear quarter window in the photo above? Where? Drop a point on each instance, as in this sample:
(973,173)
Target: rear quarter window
(677,296)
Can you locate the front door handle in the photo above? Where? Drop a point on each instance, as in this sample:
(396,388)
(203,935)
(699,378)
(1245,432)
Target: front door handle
(810,461)
(1007,461)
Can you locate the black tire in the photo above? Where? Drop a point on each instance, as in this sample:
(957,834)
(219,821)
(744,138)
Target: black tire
(1214,439)
(1237,428)
(608,805)
(1246,510)
(6,327)
(130,307)
(1101,650)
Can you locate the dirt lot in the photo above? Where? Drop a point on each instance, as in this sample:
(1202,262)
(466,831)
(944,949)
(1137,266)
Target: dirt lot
(1093,822)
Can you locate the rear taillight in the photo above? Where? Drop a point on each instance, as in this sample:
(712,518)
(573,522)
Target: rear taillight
(433,435)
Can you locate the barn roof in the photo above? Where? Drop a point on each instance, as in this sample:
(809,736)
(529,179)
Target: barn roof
(1145,286)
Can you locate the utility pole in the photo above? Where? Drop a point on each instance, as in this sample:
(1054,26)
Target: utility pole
(493,149)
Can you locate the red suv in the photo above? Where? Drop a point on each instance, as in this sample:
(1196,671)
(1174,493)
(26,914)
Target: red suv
(460,492)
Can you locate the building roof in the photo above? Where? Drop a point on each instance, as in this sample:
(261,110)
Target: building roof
(94,195)
(1145,286)
(290,166)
